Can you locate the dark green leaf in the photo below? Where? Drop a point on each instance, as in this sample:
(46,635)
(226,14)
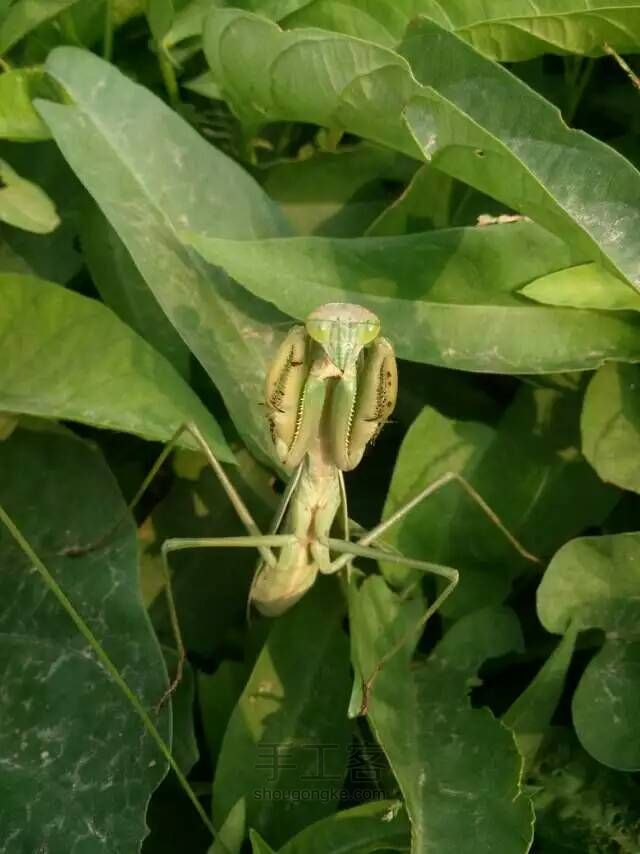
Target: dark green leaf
(286,744)
(25,15)
(78,766)
(458,767)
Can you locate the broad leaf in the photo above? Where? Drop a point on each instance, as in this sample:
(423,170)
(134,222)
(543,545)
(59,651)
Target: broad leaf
(436,294)
(611,425)
(18,118)
(527,469)
(286,744)
(79,768)
(594,582)
(124,290)
(67,356)
(458,767)
(144,165)
(507,30)
(24,204)
(439,100)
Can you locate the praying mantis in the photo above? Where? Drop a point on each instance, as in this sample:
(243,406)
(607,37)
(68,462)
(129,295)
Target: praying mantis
(330,389)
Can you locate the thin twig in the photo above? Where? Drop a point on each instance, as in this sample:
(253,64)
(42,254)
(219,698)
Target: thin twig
(623,65)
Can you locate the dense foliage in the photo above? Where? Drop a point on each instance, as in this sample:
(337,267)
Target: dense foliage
(178,182)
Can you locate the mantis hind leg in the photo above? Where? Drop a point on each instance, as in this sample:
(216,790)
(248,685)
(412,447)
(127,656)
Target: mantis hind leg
(384,552)
(182,544)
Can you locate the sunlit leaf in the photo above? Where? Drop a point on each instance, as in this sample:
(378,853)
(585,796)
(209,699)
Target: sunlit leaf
(68,356)
(439,100)
(437,294)
(144,165)
(584,286)
(24,204)
(25,15)
(18,118)
(507,30)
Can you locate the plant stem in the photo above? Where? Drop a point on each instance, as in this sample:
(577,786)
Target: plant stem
(169,77)
(579,80)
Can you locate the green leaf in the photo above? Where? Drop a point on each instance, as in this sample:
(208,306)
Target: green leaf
(144,166)
(24,204)
(606,705)
(530,714)
(611,425)
(458,767)
(436,294)
(584,286)
(336,194)
(79,766)
(286,744)
(124,290)
(160,14)
(25,15)
(67,356)
(594,582)
(506,31)
(377,826)
(18,118)
(229,838)
(536,442)
(218,694)
(425,203)
(258,845)
(438,100)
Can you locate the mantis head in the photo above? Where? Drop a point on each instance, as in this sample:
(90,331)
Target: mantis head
(342,330)
(332,384)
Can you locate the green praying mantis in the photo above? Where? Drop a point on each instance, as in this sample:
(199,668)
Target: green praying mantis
(330,389)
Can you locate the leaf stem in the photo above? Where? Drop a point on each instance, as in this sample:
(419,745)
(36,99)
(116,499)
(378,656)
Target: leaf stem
(168,76)
(109,666)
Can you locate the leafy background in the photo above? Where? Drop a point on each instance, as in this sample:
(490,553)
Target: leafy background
(179,181)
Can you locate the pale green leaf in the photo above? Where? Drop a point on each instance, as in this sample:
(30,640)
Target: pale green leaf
(67,356)
(25,205)
(18,118)
(437,294)
(505,30)
(584,286)
(78,766)
(441,101)
(611,425)
(594,581)
(144,165)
